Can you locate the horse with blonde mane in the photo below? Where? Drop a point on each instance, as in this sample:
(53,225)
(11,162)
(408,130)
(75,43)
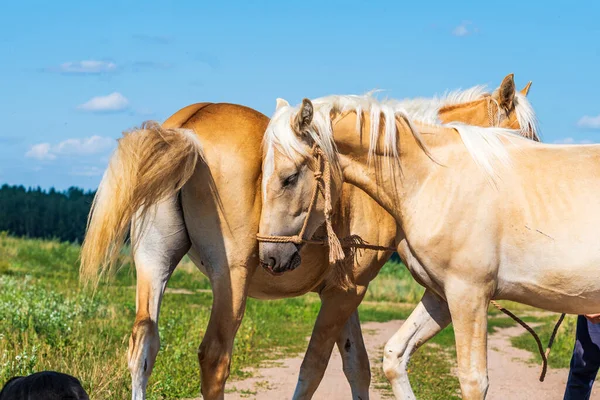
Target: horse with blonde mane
(483,213)
(176,185)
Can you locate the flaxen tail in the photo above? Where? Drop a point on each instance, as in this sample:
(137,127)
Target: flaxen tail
(149,164)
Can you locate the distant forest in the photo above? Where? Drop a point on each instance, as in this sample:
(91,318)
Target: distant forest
(50,214)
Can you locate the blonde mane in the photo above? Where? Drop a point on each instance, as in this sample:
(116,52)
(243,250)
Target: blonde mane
(426,109)
(485,145)
(526,117)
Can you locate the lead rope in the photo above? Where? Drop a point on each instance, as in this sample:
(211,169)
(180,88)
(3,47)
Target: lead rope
(336,253)
(529,329)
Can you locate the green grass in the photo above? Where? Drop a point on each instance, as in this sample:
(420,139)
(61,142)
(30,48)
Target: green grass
(394,284)
(49,322)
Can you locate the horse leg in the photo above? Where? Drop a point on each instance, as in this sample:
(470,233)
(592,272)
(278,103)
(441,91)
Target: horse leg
(158,249)
(468,305)
(230,288)
(355,359)
(336,307)
(429,317)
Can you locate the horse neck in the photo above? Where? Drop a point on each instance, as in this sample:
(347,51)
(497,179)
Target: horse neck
(472,113)
(389,181)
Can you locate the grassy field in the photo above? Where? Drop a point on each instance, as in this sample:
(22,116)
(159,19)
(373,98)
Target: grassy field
(49,322)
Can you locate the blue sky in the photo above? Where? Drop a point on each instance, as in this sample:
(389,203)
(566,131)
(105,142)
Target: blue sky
(74,75)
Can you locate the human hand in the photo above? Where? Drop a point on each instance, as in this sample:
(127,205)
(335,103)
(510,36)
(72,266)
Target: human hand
(593,318)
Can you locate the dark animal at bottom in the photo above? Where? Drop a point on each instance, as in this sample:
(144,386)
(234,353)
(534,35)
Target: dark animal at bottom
(46,385)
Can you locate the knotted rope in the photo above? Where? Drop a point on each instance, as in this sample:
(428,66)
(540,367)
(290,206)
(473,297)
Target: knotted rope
(322,176)
(493,121)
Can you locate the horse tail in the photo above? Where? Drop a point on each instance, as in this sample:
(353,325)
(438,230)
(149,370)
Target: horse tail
(149,164)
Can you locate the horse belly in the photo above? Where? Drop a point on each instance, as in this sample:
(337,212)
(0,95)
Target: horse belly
(563,276)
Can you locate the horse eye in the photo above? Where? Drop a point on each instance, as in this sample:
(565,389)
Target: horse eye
(290,180)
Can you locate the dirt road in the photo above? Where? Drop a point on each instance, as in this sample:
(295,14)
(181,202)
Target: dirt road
(511,376)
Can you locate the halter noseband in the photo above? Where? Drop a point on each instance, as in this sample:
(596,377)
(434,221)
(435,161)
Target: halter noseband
(322,176)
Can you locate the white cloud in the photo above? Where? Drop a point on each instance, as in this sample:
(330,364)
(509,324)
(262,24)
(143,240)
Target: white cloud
(71,147)
(40,151)
(85,67)
(460,30)
(113,102)
(464,29)
(91,145)
(570,140)
(589,122)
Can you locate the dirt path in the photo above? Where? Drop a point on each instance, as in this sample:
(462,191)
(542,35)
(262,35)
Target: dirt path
(511,376)
(279,381)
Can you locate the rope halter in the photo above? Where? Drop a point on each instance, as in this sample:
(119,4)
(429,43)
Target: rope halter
(493,121)
(322,176)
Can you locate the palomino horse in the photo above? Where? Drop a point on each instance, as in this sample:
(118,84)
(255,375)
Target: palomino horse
(356,213)
(484,214)
(177,184)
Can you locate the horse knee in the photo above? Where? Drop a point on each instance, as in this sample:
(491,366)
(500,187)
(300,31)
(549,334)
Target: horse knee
(214,370)
(473,385)
(144,344)
(215,362)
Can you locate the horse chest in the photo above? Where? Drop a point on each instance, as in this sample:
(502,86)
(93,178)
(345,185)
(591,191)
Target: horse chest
(431,278)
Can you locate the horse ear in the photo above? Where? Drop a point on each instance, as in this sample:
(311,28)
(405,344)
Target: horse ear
(304,117)
(281,103)
(506,92)
(525,90)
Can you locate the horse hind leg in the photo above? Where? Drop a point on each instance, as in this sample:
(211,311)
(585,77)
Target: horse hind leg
(230,288)
(428,318)
(160,240)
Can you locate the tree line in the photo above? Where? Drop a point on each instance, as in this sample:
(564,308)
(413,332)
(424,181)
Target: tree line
(50,214)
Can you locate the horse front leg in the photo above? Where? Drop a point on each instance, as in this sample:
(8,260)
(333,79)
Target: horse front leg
(355,359)
(230,288)
(468,305)
(159,247)
(428,318)
(337,305)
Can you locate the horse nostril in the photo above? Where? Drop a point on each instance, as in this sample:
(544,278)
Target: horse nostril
(271,262)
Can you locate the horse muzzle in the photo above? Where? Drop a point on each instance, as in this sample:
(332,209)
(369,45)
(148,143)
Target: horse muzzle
(277,258)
